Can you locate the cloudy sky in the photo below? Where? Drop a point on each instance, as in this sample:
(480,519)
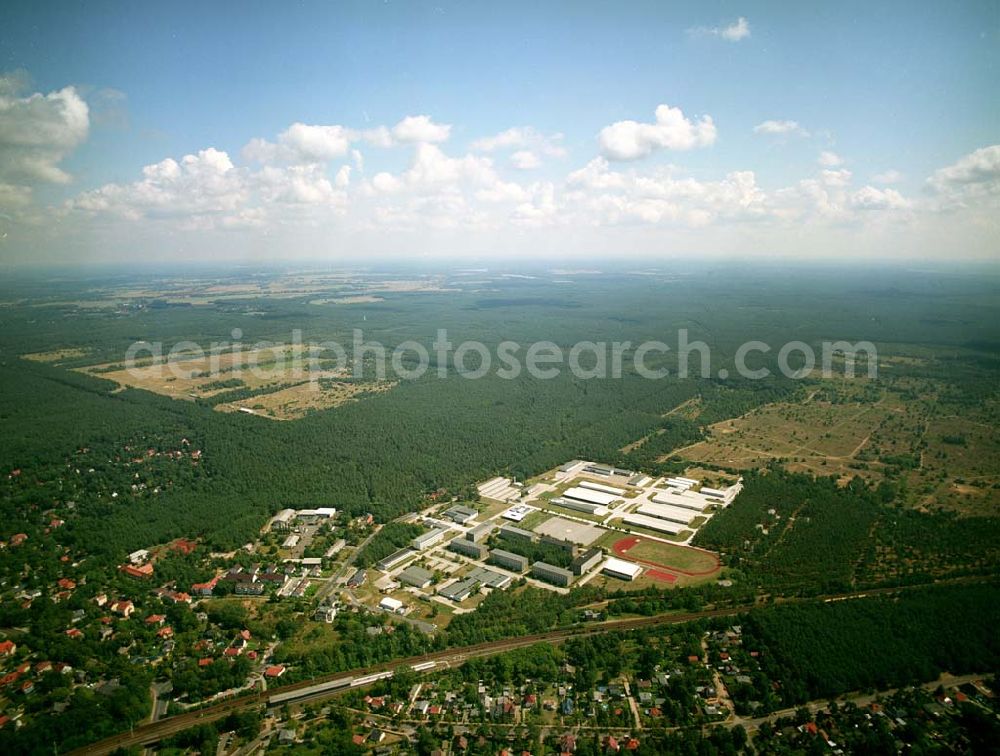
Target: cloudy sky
(350,132)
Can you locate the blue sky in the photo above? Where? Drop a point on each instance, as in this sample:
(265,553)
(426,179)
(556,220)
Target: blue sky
(902,88)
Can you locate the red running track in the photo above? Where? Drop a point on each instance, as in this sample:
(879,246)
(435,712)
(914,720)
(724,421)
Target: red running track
(621,548)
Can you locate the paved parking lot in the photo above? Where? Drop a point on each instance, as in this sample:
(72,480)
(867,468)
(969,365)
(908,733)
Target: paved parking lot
(570,530)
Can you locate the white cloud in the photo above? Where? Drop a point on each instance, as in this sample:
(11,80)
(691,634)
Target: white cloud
(734,32)
(359,160)
(523,137)
(420,128)
(301,143)
(631,140)
(601,196)
(14,197)
(829,159)
(891,176)
(297,185)
(386,183)
(380,136)
(294,185)
(525,160)
(840,177)
(195,188)
(596,175)
(783,128)
(975,176)
(432,167)
(38,131)
(871,198)
(316,143)
(503,191)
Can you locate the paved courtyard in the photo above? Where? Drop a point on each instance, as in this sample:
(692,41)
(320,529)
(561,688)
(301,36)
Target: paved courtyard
(570,530)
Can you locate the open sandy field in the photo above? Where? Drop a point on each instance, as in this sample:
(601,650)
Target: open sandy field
(297,401)
(274,382)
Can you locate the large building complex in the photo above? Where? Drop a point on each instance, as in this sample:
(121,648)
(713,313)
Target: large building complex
(509,560)
(428,539)
(587,560)
(461,515)
(600,498)
(668,512)
(499,489)
(460,590)
(551,574)
(518,534)
(468,548)
(480,532)
(489,578)
(587,507)
(394,559)
(677,498)
(653,523)
(416,577)
(601,487)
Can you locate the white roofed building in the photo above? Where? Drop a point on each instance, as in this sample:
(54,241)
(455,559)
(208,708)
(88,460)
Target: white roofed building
(389,604)
(619,568)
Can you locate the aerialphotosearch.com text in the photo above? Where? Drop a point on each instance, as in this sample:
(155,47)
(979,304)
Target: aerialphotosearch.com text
(365,359)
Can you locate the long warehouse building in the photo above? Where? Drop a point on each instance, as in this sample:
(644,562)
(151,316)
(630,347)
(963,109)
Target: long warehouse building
(653,523)
(428,539)
(685,500)
(601,487)
(667,512)
(581,506)
(592,497)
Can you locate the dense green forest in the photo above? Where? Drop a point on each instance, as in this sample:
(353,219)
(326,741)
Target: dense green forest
(794,532)
(820,650)
(127,468)
(383,454)
(392,536)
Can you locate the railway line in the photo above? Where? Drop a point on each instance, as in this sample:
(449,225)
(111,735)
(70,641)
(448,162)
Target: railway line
(331,685)
(327,686)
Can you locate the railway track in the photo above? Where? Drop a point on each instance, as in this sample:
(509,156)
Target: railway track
(152,732)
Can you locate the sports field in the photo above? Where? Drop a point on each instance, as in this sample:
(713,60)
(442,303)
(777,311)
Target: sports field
(682,560)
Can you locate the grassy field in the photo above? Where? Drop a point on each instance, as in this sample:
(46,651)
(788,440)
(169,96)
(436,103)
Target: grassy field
(690,565)
(948,454)
(814,433)
(680,558)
